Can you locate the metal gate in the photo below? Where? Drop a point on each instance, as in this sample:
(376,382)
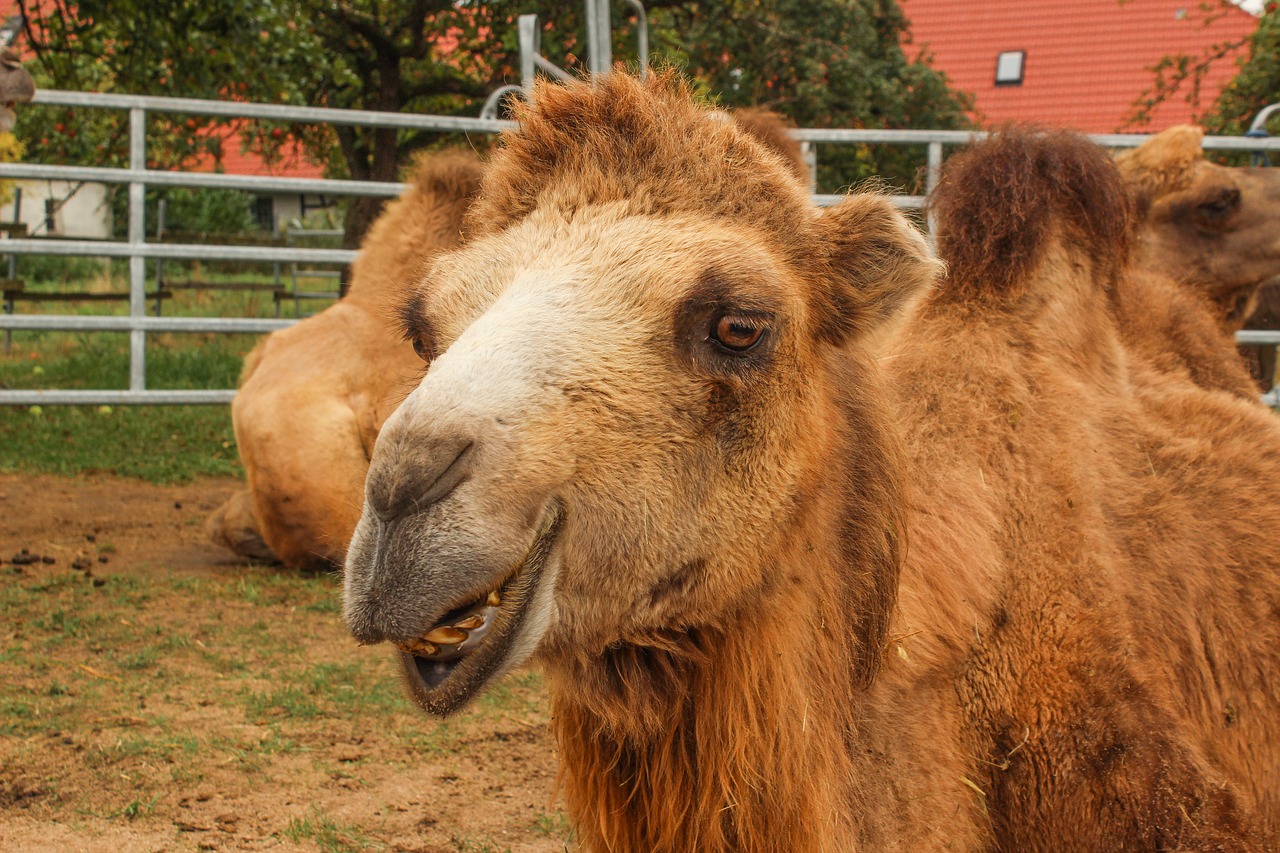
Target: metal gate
(137,249)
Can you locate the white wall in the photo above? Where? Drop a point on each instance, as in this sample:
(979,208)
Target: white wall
(82,209)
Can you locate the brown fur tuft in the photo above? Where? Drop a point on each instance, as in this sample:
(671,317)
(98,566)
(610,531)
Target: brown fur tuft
(1000,202)
(644,144)
(1162,165)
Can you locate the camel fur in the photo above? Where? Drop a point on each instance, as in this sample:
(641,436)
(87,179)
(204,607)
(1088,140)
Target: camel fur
(1211,228)
(1172,322)
(818,555)
(313,396)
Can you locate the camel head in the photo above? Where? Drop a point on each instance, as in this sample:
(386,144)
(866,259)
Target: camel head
(16,86)
(636,361)
(1212,227)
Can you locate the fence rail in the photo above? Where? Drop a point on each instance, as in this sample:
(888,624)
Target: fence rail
(138,250)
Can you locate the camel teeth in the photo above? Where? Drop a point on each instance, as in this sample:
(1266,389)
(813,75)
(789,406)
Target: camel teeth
(494,600)
(470,623)
(419,647)
(445,636)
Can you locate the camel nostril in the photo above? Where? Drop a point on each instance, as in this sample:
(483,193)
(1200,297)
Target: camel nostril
(424,479)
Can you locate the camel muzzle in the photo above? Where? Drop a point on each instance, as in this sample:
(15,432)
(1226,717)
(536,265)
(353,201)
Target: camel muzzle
(475,641)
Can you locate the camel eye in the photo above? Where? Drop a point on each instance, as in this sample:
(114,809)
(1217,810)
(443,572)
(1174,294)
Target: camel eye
(737,333)
(424,349)
(1221,204)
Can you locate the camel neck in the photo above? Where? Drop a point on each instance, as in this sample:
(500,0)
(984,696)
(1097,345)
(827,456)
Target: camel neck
(735,739)
(738,735)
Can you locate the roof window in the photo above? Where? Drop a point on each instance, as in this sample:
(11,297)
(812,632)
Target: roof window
(1009,67)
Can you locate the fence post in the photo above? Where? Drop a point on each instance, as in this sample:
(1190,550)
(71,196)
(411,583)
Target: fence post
(137,238)
(931,175)
(599,37)
(13,265)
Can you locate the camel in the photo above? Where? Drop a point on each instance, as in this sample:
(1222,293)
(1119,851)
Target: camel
(313,396)
(818,554)
(1210,227)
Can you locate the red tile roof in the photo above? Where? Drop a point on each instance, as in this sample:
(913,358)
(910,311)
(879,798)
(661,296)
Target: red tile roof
(1087,61)
(292,163)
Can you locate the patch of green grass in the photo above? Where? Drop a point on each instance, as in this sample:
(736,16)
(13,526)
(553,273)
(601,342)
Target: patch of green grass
(162,444)
(66,624)
(159,444)
(513,694)
(329,604)
(329,835)
(288,702)
(433,737)
(353,690)
(161,747)
(17,716)
(136,809)
(265,586)
(466,845)
(144,658)
(553,825)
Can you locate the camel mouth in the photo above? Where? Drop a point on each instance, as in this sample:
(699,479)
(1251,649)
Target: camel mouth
(480,640)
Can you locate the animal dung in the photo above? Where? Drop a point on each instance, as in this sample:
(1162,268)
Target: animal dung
(26,558)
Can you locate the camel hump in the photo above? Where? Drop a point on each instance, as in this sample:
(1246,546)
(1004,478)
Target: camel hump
(449,174)
(647,147)
(1001,203)
(774,132)
(1163,164)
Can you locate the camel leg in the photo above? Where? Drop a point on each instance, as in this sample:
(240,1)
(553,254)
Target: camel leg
(308,485)
(234,525)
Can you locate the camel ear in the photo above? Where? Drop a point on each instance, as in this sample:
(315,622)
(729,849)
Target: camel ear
(878,268)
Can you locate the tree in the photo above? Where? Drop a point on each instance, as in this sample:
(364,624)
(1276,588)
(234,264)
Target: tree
(389,55)
(820,62)
(1256,84)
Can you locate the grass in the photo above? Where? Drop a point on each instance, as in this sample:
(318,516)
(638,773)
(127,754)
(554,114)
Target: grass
(160,444)
(463,844)
(329,835)
(552,824)
(128,703)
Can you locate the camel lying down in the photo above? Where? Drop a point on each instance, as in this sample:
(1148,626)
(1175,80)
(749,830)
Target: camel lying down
(818,553)
(313,396)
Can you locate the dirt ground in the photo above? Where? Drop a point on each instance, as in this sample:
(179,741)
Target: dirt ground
(157,694)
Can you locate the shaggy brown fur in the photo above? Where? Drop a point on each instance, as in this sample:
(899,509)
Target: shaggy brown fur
(313,397)
(993,583)
(1073,191)
(1037,199)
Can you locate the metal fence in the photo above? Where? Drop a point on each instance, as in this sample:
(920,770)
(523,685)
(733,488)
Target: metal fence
(137,249)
